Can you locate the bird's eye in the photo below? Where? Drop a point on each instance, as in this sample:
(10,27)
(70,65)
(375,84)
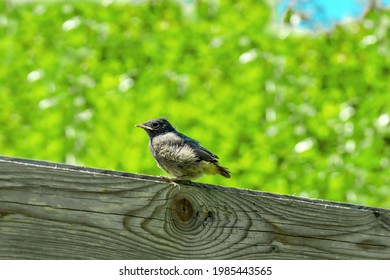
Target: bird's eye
(155,124)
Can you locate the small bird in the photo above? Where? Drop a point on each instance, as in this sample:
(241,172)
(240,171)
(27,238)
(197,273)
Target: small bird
(179,155)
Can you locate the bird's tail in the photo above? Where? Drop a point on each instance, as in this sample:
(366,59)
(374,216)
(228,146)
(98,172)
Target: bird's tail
(222,170)
(215,168)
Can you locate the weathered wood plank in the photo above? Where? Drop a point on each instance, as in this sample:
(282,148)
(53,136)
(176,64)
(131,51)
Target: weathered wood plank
(56,211)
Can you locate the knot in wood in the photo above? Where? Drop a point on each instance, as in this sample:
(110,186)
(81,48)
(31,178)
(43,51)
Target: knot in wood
(183,209)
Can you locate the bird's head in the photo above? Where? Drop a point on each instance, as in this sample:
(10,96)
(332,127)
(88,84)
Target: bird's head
(156,127)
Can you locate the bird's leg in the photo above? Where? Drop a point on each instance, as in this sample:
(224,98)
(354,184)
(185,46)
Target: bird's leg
(170,180)
(174,181)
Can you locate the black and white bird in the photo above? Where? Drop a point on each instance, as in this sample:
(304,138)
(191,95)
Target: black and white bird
(179,155)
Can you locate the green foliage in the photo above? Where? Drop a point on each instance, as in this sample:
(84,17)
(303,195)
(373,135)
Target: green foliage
(294,114)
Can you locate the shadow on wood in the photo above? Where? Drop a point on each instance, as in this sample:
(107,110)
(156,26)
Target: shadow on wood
(57,211)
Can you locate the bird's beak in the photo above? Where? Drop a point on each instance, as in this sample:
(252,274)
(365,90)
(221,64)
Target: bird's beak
(144,126)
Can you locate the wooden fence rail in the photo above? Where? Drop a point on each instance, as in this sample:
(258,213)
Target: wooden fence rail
(57,211)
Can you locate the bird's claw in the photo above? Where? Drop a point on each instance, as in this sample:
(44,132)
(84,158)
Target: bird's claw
(174,181)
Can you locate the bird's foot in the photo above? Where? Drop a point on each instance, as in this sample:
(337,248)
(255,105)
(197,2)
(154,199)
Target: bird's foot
(175,181)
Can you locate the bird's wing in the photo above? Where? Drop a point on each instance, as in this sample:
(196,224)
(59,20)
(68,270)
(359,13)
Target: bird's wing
(205,154)
(201,152)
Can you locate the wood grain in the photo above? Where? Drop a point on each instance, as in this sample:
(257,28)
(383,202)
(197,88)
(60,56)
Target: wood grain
(57,211)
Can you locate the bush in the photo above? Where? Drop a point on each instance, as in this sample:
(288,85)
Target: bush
(295,114)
